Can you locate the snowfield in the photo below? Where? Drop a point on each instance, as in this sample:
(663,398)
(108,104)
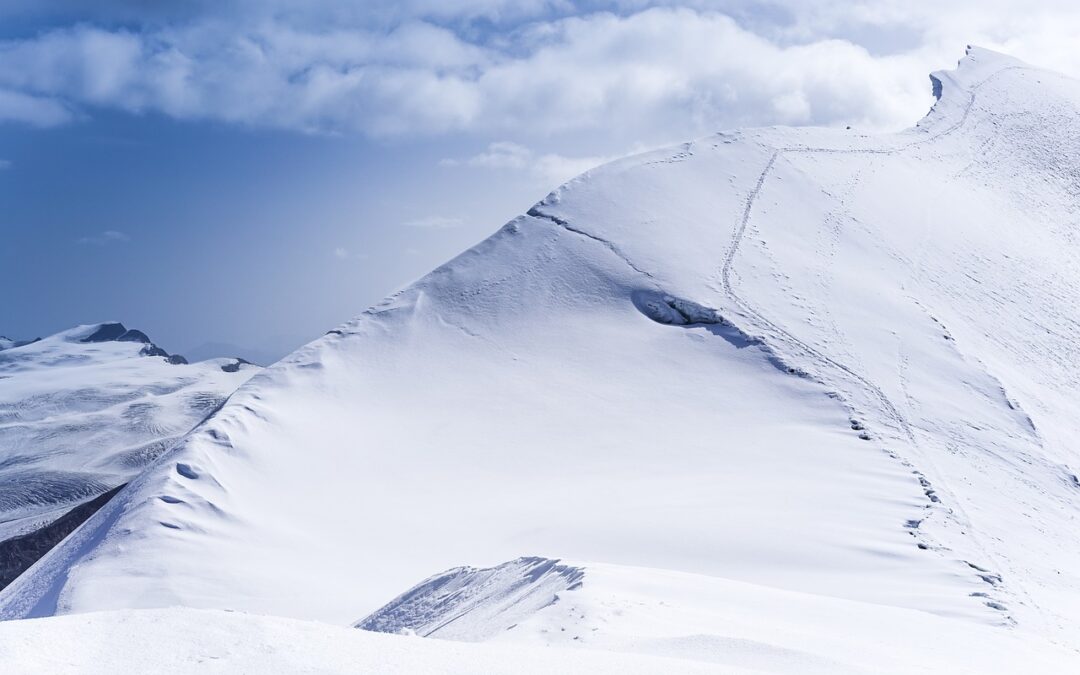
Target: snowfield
(809,398)
(84,411)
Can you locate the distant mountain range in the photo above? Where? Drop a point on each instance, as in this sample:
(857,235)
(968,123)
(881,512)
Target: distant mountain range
(219,350)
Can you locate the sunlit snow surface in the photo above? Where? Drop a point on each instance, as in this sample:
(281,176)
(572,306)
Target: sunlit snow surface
(822,368)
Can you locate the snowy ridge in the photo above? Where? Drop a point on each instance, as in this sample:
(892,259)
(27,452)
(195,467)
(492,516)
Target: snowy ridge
(473,604)
(807,363)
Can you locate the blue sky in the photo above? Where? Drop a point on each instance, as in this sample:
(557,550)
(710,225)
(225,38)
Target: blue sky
(256,172)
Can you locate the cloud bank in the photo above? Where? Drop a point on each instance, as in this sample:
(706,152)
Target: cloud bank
(502,68)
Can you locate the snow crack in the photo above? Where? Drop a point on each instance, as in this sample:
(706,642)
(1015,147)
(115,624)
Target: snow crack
(535,212)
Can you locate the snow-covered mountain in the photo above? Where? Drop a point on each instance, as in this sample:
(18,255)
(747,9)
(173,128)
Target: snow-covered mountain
(8,343)
(776,385)
(81,413)
(216,350)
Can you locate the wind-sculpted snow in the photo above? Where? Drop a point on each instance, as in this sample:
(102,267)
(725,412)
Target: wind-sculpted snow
(814,361)
(472,604)
(85,410)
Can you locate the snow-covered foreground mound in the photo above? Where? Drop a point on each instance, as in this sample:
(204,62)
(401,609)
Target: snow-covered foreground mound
(82,412)
(813,361)
(622,620)
(711,620)
(182,641)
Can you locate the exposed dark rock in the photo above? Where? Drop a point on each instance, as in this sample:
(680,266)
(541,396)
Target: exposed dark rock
(106,332)
(19,553)
(233,367)
(115,332)
(134,336)
(23,343)
(152,350)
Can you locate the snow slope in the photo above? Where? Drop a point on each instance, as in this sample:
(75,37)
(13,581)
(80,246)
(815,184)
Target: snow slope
(85,410)
(805,361)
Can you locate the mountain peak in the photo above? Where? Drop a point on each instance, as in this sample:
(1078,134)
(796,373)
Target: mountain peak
(954,90)
(105,332)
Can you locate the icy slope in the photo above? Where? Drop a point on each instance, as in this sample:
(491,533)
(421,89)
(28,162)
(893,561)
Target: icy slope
(808,360)
(85,410)
(472,604)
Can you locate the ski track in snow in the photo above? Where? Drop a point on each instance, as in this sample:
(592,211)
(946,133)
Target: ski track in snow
(771,331)
(765,325)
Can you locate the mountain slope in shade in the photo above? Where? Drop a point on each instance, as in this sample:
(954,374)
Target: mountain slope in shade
(8,343)
(81,413)
(812,361)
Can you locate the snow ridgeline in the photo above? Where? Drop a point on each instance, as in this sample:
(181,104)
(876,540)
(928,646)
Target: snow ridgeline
(793,383)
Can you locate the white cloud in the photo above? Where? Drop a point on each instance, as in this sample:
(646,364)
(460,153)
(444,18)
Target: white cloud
(106,237)
(499,155)
(555,169)
(5,164)
(646,74)
(34,110)
(342,253)
(549,169)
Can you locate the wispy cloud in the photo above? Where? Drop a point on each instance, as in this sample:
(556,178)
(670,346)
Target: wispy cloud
(549,168)
(435,222)
(342,253)
(499,155)
(38,111)
(5,164)
(104,238)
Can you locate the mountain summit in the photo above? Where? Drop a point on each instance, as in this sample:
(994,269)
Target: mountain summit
(800,370)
